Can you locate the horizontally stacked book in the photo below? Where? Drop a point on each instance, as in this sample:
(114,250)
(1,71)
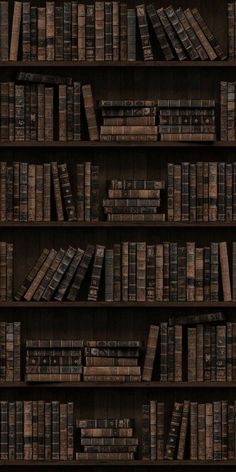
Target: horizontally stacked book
(134,200)
(53,360)
(205,341)
(37,430)
(107,439)
(186,120)
(128,120)
(107,31)
(227,111)
(208,428)
(43,192)
(134,271)
(201,191)
(112,361)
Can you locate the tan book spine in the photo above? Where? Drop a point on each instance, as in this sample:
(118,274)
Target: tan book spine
(190,271)
(153,429)
(141,271)
(39,276)
(183,431)
(201,431)
(32,192)
(50,33)
(225,275)
(193,431)
(159,272)
(192,354)
(57,191)
(209,431)
(47,192)
(41,34)
(90,113)
(15,34)
(178,353)
(39,192)
(150,353)
(81,32)
(126,370)
(99,31)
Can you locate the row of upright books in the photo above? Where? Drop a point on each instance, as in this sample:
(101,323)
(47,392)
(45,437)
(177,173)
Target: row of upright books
(196,431)
(196,192)
(46,430)
(207,341)
(29,112)
(107,31)
(208,347)
(202,191)
(43,192)
(134,271)
(37,430)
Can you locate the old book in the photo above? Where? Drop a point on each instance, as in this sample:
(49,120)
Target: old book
(58,30)
(59,273)
(144,33)
(99,31)
(131,34)
(123,53)
(225,271)
(141,271)
(182,34)
(132,271)
(70,113)
(87,191)
(23,191)
(67,37)
(191,34)
(19,113)
(94,194)
(41,33)
(31,275)
(209,431)
(174,431)
(116,30)
(170,32)
(39,193)
(15,34)
(96,273)
(201,35)
(150,353)
(159,32)
(62,113)
(201,420)
(90,112)
(183,430)
(39,276)
(66,280)
(50,34)
(192,354)
(109,275)
(80,273)
(223,111)
(74,31)
(80,192)
(150,273)
(4,30)
(125,271)
(90,32)
(117,272)
(81,32)
(211,38)
(49,274)
(26,31)
(159,272)
(33,33)
(146,446)
(231,28)
(108,31)
(67,191)
(9,274)
(57,191)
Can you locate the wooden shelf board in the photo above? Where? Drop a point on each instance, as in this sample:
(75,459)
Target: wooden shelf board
(135,463)
(117,64)
(102,304)
(116,385)
(106,224)
(103,144)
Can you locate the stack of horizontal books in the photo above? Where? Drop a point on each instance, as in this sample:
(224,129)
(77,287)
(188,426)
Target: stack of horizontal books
(128,120)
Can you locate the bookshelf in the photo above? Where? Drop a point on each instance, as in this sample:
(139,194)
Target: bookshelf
(119,320)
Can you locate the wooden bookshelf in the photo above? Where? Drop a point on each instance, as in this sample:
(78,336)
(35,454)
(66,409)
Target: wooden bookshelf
(118,320)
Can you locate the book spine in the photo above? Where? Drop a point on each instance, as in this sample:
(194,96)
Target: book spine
(41,34)
(109,276)
(50,33)
(116,30)
(90,32)
(108,31)
(58,46)
(131,34)
(67,37)
(99,31)
(81,33)
(144,33)
(125,271)
(67,192)
(15,34)
(174,431)
(150,353)
(132,271)
(146,446)
(74,31)
(123,32)
(96,273)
